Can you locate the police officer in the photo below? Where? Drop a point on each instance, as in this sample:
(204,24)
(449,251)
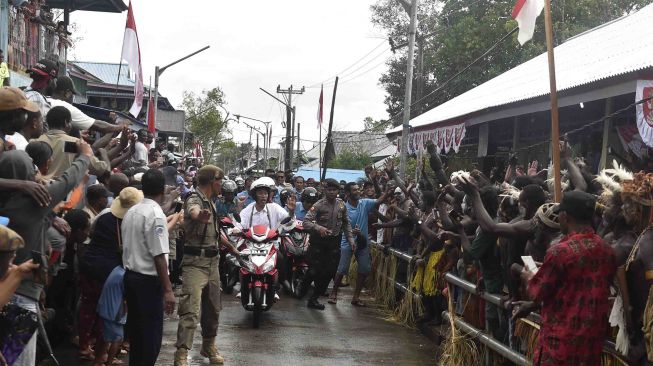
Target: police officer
(201,285)
(327,220)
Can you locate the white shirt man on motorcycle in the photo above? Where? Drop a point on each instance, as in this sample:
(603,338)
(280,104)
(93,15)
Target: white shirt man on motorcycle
(261,211)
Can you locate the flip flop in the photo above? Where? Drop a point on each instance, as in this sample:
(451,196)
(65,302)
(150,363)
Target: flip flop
(333,300)
(358,303)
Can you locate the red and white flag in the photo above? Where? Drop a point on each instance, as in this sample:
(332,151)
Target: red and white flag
(131,52)
(198,153)
(526,13)
(320,108)
(151,126)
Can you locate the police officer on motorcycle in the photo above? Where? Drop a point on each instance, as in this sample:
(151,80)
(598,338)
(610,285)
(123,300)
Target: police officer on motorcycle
(200,269)
(327,220)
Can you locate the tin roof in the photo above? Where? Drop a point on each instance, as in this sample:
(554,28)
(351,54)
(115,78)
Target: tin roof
(106,6)
(108,72)
(619,47)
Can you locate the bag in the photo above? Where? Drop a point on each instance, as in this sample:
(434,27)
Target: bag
(17,326)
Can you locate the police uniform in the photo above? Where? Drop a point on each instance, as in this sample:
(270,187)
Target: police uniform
(201,285)
(324,252)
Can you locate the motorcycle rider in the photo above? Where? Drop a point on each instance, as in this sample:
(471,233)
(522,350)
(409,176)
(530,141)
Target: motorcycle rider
(201,286)
(226,204)
(327,221)
(308,198)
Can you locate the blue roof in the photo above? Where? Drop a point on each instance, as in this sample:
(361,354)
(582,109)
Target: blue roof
(103,114)
(337,174)
(107,72)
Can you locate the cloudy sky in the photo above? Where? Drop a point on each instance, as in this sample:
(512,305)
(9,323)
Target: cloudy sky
(254,44)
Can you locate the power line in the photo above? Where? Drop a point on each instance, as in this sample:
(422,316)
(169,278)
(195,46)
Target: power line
(347,68)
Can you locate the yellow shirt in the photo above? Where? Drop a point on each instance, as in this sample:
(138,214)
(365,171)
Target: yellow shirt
(4,73)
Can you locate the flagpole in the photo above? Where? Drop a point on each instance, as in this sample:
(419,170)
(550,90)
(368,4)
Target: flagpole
(320,128)
(555,129)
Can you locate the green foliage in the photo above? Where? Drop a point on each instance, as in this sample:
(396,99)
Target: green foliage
(453,33)
(350,159)
(374,126)
(205,121)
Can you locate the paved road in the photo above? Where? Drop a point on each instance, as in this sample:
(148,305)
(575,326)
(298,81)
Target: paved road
(291,334)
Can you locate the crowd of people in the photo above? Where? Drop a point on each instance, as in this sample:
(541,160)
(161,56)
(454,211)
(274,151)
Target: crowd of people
(99,224)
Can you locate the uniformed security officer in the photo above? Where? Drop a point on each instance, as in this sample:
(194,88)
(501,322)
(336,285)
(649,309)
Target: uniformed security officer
(326,220)
(201,277)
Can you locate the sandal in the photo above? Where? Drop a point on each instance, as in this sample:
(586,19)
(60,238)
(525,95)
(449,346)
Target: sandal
(116,361)
(333,299)
(358,303)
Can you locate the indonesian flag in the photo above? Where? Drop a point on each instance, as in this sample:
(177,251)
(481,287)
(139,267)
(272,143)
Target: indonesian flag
(198,150)
(150,115)
(320,108)
(131,52)
(526,13)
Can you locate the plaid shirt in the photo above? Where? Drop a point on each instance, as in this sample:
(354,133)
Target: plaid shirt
(573,286)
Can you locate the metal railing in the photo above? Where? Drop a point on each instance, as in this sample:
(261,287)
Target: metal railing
(487,340)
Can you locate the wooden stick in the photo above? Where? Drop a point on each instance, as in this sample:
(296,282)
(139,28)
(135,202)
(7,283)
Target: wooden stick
(329,137)
(555,129)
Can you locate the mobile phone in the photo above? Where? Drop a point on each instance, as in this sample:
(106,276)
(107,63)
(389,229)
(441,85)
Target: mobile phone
(37,258)
(178,206)
(70,147)
(529,263)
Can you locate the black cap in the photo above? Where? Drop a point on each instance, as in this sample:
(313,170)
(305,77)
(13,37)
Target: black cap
(577,204)
(66,83)
(44,68)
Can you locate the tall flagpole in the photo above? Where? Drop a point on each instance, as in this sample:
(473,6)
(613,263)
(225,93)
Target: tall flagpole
(555,129)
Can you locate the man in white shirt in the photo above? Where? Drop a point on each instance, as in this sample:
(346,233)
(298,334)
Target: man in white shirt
(145,257)
(140,157)
(260,212)
(63,96)
(32,129)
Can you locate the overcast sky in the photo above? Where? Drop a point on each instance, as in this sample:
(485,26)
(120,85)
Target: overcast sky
(254,44)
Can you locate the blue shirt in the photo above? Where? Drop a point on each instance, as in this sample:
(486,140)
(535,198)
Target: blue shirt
(248,199)
(110,305)
(224,208)
(300,212)
(358,217)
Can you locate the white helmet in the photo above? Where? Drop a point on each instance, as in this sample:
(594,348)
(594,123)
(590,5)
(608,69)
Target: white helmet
(263,182)
(240,182)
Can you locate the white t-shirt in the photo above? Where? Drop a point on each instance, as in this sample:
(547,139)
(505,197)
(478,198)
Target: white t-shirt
(38,98)
(144,236)
(140,153)
(79,119)
(249,216)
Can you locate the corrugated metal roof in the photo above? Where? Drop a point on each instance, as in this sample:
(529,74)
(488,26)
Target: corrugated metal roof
(369,142)
(616,48)
(107,72)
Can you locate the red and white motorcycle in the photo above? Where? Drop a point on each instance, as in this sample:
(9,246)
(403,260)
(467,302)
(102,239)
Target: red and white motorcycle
(258,272)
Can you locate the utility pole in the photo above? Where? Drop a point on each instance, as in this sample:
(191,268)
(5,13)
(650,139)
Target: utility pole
(298,147)
(289,122)
(256,166)
(412,11)
(420,72)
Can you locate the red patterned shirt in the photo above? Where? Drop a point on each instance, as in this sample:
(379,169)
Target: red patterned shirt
(573,286)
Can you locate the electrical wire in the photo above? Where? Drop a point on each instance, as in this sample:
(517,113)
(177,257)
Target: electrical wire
(315,85)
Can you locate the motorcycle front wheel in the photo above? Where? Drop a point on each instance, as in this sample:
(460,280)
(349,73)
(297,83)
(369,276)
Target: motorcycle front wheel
(257,298)
(299,282)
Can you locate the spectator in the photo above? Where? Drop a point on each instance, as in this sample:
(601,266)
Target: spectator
(44,76)
(141,157)
(13,105)
(572,287)
(96,200)
(41,154)
(299,185)
(147,285)
(59,121)
(4,70)
(10,274)
(32,129)
(62,96)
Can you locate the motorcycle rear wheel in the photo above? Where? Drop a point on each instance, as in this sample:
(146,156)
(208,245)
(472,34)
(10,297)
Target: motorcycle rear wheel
(298,279)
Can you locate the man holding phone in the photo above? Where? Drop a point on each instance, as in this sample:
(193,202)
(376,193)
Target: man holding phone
(64,148)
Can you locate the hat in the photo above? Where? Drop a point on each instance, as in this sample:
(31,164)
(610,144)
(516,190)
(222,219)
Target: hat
(9,240)
(548,215)
(127,198)
(398,190)
(138,176)
(45,68)
(579,205)
(66,83)
(13,98)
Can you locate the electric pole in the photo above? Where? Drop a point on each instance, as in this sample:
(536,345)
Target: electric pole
(411,8)
(288,93)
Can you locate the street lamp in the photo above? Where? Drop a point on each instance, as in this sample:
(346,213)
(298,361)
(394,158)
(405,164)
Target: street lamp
(265,135)
(157,72)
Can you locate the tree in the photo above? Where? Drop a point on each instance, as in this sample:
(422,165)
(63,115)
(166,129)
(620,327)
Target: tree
(374,126)
(205,121)
(350,158)
(453,33)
